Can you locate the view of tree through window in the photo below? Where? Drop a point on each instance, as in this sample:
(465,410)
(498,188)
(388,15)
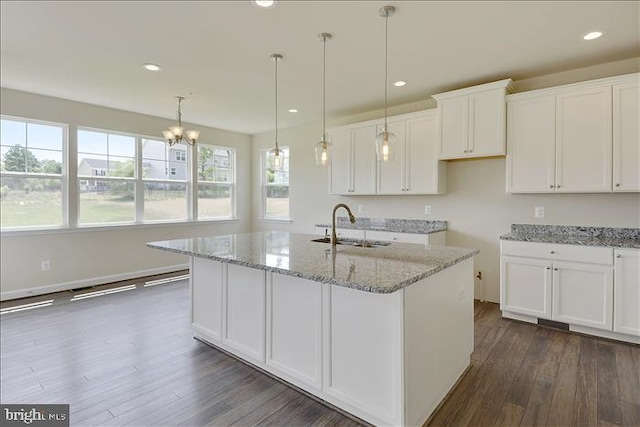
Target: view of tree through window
(276,187)
(215,167)
(31,172)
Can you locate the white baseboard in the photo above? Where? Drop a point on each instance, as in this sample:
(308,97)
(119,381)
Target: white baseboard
(41,290)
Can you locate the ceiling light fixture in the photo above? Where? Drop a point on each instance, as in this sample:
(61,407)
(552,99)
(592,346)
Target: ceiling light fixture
(400,83)
(151,67)
(265,3)
(385,141)
(174,135)
(592,35)
(276,155)
(323,148)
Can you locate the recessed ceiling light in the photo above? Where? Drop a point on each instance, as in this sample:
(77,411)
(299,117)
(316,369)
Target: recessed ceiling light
(293,110)
(400,83)
(592,35)
(151,67)
(265,3)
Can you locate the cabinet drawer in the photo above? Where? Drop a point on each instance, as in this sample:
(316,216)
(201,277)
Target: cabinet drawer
(557,252)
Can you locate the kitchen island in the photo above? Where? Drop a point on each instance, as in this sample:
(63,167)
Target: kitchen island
(382,332)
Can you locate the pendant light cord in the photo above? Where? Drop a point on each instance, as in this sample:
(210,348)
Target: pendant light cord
(324,87)
(386,66)
(276,61)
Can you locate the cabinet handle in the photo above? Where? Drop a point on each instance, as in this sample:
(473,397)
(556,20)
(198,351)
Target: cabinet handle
(551,186)
(558,186)
(548,268)
(553,252)
(471,151)
(466,151)
(555,269)
(617,184)
(618,256)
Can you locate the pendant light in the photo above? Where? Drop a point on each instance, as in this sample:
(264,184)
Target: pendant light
(323,148)
(276,155)
(385,141)
(175,134)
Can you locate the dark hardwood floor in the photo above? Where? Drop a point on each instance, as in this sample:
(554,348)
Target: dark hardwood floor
(129,358)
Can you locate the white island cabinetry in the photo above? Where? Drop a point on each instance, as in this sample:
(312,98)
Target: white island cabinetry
(377,354)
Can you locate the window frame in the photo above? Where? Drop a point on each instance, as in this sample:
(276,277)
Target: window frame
(232,185)
(264,156)
(63,176)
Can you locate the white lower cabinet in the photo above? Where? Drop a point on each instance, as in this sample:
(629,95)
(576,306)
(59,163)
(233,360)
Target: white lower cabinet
(583,294)
(389,359)
(243,309)
(294,329)
(627,291)
(576,285)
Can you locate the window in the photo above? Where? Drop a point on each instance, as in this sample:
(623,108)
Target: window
(275,187)
(165,180)
(112,157)
(216,177)
(32,172)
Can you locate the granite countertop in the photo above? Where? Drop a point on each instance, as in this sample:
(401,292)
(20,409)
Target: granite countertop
(575,235)
(382,269)
(412,226)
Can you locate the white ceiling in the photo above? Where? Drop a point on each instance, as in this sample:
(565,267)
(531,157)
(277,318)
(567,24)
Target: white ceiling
(92,51)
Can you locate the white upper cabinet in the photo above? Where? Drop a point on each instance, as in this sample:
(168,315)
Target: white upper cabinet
(472,121)
(626,136)
(566,139)
(353,165)
(415,169)
(583,140)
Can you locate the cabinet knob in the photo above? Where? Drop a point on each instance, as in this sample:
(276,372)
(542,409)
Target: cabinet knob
(555,269)
(551,186)
(618,256)
(548,268)
(617,184)
(558,186)
(553,252)
(466,151)
(471,151)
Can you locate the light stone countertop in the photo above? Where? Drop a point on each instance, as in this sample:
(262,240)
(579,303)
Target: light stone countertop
(575,235)
(411,226)
(382,269)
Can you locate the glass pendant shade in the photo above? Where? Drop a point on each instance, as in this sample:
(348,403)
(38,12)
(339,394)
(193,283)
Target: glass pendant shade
(276,158)
(323,152)
(385,146)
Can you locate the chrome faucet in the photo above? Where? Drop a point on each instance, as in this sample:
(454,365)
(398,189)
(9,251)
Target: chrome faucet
(334,237)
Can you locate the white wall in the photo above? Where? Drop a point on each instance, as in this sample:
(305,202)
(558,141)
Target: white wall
(87,257)
(476,205)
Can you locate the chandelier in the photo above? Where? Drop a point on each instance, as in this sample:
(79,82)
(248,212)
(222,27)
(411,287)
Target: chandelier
(175,134)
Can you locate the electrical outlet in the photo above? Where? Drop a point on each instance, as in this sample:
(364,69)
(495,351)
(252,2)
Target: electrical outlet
(360,208)
(46,265)
(539,211)
(427,209)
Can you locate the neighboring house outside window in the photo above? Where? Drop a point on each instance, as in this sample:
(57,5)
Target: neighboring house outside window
(32,173)
(112,157)
(216,181)
(275,185)
(181,155)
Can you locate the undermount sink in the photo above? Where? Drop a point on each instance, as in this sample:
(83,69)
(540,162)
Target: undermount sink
(353,242)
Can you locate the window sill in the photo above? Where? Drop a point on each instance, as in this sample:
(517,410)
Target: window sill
(276,220)
(110,227)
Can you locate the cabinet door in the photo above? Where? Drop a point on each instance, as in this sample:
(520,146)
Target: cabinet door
(525,286)
(294,329)
(531,135)
(340,170)
(487,123)
(364,160)
(206,297)
(583,294)
(627,292)
(391,174)
(453,127)
(626,137)
(422,172)
(245,312)
(583,140)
